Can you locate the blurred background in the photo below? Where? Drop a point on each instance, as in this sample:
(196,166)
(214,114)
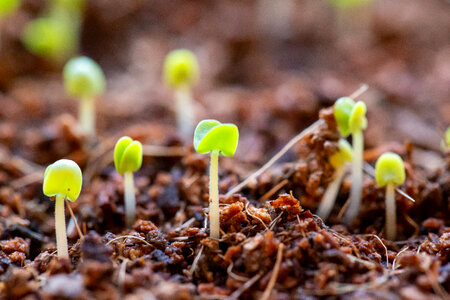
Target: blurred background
(269,66)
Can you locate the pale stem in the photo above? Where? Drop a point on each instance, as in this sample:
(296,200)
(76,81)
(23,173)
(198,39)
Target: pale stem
(86,116)
(185,112)
(130,198)
(391,214)
(214,215)
(328,199)
(60,227)
(357,177)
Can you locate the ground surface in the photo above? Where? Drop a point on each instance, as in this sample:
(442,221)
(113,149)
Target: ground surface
(272,84)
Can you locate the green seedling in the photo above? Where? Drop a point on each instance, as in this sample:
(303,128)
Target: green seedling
(8,7)
(62,179)
(338,161)
(84,79)
(351,119)
(181,72)
(390,173)
(128,159)
(216,138)
(347,4)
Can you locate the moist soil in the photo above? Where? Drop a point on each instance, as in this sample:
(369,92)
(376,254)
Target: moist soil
(272,85)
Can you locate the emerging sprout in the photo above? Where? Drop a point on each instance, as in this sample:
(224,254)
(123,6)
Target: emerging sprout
(128,159)
(351,119)
(8,7)
(83,78)
(62,179)
(216,138)
(181,72)
(338,161)
(343,4)
(390,172)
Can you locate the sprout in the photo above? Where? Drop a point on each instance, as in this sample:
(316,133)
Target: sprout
(390,172)
(338,161)
(216,138)
(62,179)
(83,78)
(181,72)
(8,7)
(128,159)
(343,4)
(351,119)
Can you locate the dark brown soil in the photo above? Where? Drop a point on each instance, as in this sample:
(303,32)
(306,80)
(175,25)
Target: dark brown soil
(272,85)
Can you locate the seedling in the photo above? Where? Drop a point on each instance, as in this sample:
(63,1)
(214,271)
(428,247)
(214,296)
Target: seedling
(347,4)
(84,79)
(338,161)
(216,138)
(390,172)
(181,72)
(8,7)
(62,179)
(351,119)
(128,159)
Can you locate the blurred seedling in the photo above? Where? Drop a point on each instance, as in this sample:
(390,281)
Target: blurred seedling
(351,119)
(128,159)
(338,161)
(62,180)
(216,138)
(390,173)
(8,7)
(55,34)
(181,72)
(84,79)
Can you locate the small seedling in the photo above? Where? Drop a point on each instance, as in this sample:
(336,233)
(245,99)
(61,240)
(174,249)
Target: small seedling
(84,79)
(338,161)
(351,119)
(390,172)
(347,4)
(181,72)
(216,138)
(8,7)
(62,179)
(128,159)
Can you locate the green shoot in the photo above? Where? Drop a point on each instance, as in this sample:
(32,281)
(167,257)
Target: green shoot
(84,79)
(390,172)
(338,161)
(216,138)
(347,4)
(62,179)
(128,159)
(8,7)
(181,72)
(351,119)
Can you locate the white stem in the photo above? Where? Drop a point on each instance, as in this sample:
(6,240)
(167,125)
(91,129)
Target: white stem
(185,112)
(214,215)
(130,199)
(357,177)
(60,227)
(391,214)
(328,199)
(86,116)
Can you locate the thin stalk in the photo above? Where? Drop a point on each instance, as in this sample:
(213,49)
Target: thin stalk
(327,203)
(357,177)
(86,116)
(130,199)
(391,215)
(214,216)
(60,227)
(185,111)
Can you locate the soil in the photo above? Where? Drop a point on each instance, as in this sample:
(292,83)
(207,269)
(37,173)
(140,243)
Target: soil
(273,84)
